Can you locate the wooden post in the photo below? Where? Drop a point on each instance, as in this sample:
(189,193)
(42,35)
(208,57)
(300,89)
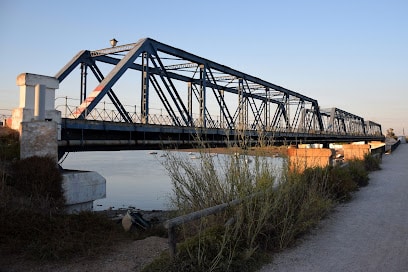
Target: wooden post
(172,242)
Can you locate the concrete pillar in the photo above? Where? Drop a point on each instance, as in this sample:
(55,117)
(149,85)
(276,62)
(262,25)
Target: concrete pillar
(36,119)
(39,138)
(39,102)
(25,112)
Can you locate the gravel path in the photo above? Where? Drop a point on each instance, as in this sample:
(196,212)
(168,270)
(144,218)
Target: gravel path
(370,233)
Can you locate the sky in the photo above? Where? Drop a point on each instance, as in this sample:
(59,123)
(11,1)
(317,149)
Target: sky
(350,54)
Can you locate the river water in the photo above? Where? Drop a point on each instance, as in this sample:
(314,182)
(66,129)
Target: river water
(133,178)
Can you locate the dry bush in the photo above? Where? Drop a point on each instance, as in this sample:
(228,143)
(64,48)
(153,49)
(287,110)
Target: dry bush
(210,181)
(39,182)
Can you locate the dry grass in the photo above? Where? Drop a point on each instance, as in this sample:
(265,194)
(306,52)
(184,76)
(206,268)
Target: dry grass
(270,220)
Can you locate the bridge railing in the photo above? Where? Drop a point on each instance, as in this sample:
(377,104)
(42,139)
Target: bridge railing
(107,112)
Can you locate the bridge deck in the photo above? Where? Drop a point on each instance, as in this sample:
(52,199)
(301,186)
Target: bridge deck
(82,135)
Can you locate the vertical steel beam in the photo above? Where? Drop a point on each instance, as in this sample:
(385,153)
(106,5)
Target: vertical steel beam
(332,118)
(144,107)
(190,103)
(267,109)
(83,82)
(287,112)
(241,113)
(222,109)
(301,125)
(202,95)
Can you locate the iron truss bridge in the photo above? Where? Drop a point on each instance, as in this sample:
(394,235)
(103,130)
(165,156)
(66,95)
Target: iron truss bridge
(179,96)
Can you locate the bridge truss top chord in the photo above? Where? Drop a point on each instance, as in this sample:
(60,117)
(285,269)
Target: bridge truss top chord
(193,90)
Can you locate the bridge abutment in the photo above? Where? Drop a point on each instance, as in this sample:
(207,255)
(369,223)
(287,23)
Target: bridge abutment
(38,124)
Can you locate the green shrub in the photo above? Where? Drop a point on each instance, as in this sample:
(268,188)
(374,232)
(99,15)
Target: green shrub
(341,183)
(358,172)
(9,144)
(372,163)
(300,202)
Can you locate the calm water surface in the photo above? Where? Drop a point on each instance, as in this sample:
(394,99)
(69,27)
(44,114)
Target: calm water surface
(133,178)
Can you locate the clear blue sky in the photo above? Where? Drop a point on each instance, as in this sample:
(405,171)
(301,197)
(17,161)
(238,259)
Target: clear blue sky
(347,54)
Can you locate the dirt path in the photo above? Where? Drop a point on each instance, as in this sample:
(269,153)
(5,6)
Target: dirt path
(129,256)
(370,233)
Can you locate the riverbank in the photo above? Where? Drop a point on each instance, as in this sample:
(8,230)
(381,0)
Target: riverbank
(267,151)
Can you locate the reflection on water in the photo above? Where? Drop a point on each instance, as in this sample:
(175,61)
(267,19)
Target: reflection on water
(133,178)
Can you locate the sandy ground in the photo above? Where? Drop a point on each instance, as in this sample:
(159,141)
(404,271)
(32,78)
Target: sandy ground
(370,233)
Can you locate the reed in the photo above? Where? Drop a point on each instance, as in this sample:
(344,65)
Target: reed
(278,206)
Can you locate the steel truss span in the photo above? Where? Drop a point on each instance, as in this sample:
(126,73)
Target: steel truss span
(195,93)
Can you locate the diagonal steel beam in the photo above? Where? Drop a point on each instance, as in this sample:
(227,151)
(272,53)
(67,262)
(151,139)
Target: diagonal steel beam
(106,84)
(115,100)
(80,57)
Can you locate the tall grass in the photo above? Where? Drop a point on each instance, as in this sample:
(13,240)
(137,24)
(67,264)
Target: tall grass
(274,212)
(199,184)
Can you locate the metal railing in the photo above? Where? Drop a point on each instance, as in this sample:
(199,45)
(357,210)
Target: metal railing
(108,112)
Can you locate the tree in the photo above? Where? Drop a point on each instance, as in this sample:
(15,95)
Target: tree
(390,133)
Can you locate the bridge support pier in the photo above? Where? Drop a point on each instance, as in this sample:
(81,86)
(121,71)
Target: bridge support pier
(38,124)
(355,151)
(302,158)
(36,119)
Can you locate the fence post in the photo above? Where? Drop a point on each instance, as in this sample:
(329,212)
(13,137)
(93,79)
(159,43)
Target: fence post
(66,105)
(172,241)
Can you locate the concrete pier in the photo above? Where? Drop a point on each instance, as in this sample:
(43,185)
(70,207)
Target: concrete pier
(355,151)
(302,158)
(81,188)
(37,122)
(309,156)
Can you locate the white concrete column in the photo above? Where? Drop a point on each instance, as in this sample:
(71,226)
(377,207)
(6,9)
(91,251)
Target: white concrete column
(36,118)
(39,102)
(27,83)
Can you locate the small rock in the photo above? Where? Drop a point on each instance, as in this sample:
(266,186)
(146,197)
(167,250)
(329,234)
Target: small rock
(127,222)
